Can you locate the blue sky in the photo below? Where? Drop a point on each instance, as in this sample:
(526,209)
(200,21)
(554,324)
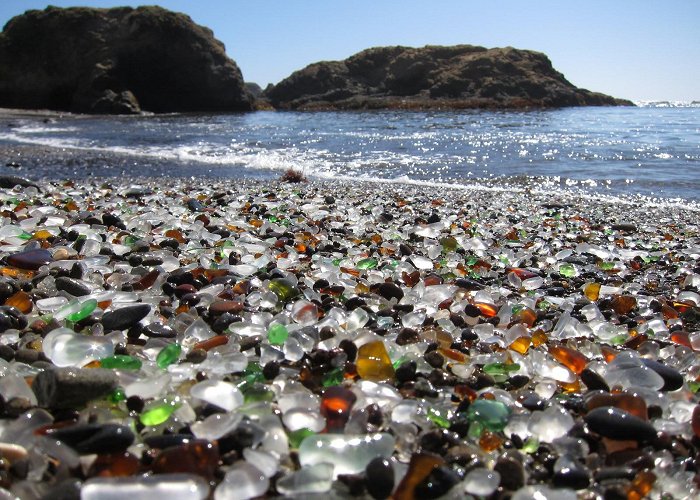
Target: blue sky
(638,49)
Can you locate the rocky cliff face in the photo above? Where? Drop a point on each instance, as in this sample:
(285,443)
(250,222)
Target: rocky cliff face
(116,61)
(462,76)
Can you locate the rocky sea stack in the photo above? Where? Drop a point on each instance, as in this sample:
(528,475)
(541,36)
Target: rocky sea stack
(433,77)
(119,60)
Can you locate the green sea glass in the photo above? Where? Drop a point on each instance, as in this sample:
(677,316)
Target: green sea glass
(368,263)
(567,270)
(283,288)
(86,309)
(277,334)
(168,355)
(120,362)
(158,414)
(493,415)
(439,418)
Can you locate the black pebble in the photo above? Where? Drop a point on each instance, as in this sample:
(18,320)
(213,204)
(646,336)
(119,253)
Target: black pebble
(615,423)
(593,381)
(135,403)
(125,317)
(73,286)
(95,438)
(78,270)
(62,388)
(271,370)
(468,284)
(624,227)
(406,371)
(441,480)
(434,359)
(673,379)
(390,291)
(576,477)
(69,489)
(158,330)
(512,473)
(162,441)
(25,355)
(380,478)
(110,219)
(6,352)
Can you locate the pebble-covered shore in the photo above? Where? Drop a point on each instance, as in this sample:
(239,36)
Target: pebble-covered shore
(236,339)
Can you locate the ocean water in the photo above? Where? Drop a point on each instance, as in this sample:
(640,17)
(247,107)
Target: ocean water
(651,151)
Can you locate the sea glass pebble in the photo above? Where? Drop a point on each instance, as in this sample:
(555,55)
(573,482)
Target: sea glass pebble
(170,486)
(241,482)
(219,393)
(481,482)
(307,480)
(64,347)
(349,454)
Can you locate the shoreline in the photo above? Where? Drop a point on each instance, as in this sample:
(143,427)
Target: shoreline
(20,159)
(483,332)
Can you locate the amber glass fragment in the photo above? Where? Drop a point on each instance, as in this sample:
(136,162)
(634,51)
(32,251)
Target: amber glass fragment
(591,291)
(571,387)
(636,341)
(682,307)
(630,403)
(487,310)
(573,360)
(523,274)
(196,457)
(226,306)
(490,441)
(212,342)
(608,353)
(681,337)
(433,279)
(115,465)
(521,345)
(624,304)
(525,315)
(373,362)
(463,391)
(420,467)
(22,301)
(669,312)
(16,273)
(351,272)
(539,338)
(453,354)
(411,279)
(146,280)
(336,404)
(42,234)
(641,485)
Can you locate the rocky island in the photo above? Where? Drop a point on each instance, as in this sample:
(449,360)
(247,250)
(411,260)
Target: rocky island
(120,60)
(433,77)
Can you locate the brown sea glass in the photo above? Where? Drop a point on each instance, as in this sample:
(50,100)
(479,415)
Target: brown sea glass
(22,301)
(115,465)
(336,404)
(196,457)
(623,304)
(420,467)
(573,360)
(632,404)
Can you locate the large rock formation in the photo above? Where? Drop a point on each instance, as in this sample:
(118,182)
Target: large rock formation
(463,76)
(116,61)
